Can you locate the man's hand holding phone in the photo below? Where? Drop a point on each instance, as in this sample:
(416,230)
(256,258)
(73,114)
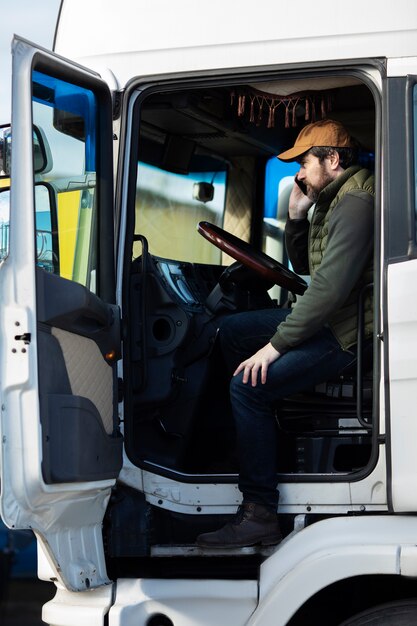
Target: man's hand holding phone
(299,202)
(301,185)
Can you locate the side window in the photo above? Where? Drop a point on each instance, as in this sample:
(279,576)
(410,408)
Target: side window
(170,205)
(65,150)
(46,231)
(279,178)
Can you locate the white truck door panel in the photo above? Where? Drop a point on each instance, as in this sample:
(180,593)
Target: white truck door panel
(400,331)
(59,328)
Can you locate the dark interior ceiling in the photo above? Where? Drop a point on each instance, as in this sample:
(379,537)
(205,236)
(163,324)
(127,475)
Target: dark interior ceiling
(203,128)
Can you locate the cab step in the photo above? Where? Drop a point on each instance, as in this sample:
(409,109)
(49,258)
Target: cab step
(191,550)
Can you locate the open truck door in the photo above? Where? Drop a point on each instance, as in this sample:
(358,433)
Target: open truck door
(60,328)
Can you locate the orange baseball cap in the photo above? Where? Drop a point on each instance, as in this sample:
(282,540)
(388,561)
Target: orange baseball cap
(323,133)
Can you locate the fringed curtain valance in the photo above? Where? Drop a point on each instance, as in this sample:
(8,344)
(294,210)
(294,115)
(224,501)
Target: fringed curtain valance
(261,106)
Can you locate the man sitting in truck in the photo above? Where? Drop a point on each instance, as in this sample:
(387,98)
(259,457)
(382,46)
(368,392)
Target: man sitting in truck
(275,353)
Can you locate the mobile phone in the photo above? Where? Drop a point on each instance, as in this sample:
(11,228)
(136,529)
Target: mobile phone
(301,185)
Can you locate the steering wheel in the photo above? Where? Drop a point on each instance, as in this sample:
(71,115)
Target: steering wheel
(249,256)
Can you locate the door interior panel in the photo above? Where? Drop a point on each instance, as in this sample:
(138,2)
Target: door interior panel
(78,403)
(70,306)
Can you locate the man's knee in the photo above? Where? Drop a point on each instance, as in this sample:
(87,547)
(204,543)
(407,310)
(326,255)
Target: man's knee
(243,392)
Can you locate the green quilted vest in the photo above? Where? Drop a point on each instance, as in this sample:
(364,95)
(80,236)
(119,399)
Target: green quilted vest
(344,323)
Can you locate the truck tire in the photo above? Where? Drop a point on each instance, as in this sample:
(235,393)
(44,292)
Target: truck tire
(401,613)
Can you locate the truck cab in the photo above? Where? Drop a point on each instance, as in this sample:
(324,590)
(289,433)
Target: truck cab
(141,203)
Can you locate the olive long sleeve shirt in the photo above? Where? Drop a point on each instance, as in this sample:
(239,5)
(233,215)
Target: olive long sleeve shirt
(348,251)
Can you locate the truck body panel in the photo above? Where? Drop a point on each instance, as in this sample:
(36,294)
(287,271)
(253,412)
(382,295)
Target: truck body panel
(165,115)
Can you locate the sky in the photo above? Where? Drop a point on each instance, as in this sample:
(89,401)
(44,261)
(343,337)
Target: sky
(32,19)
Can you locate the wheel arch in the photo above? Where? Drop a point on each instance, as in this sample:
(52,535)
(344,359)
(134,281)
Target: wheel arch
(348,554)
(350,596)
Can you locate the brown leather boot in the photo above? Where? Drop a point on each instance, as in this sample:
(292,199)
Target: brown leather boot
(254,524)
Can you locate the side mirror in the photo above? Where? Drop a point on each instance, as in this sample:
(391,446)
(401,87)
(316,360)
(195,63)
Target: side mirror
(203,192)
(47,244)
(4,222)
(5,151)
(42,158)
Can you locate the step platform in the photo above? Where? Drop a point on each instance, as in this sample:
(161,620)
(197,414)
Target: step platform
(195,551)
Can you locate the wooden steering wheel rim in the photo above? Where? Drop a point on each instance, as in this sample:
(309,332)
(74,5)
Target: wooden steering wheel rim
(258,261)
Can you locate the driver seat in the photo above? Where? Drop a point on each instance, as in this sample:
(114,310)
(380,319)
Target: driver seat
(328,429)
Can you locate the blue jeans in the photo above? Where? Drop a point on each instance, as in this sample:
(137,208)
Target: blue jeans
(312,362)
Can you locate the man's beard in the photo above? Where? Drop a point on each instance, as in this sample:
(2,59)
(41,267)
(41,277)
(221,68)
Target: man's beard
(313,191)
